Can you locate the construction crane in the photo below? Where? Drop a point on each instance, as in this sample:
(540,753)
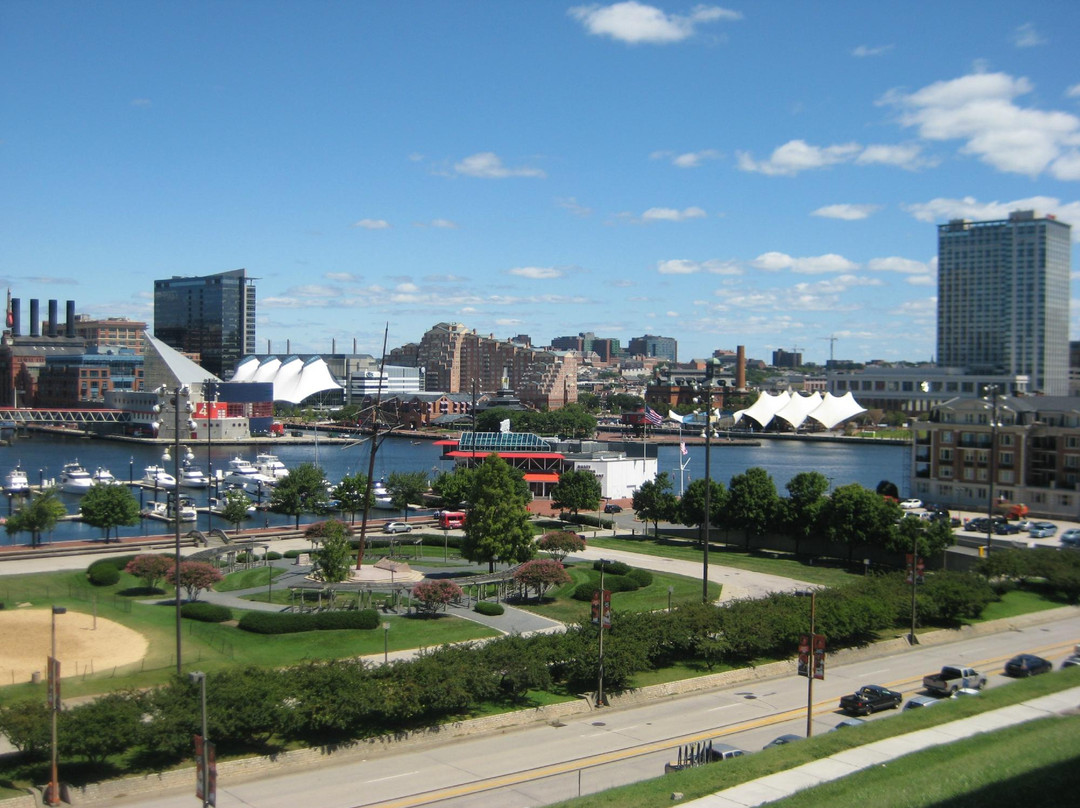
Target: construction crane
(832,345)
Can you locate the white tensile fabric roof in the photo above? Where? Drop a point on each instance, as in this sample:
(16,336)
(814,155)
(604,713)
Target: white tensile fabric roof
(795,409)
(293,380)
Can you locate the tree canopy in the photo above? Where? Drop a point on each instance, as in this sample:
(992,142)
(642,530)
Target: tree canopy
(406,488)
(752,501)
(497,527)
(37,516)
(691,509)
(576,491)
(108,507)
(653,501)
(303,491)
(453,487)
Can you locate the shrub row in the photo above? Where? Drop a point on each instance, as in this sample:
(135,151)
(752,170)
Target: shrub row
(106,571)
(489,608)
(206,612)
(291,622)
(628,581)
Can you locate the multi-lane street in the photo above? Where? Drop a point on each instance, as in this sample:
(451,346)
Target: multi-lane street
(542,764)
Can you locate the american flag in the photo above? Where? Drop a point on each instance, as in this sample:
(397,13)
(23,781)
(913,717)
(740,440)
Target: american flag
(652,416)
(683,447)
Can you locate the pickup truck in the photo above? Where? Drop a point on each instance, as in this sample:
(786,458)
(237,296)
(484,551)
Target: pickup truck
(869,699)
(953,678)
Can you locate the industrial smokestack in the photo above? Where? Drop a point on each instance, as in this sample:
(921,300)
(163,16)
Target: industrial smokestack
(69,329)
(16,317)
(35,317)
(53,306)
(740,367)
(268,347)
(333,345)
(354,345)
(288,347)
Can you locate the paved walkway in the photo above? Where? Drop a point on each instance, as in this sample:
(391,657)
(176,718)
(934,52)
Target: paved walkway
(784,784)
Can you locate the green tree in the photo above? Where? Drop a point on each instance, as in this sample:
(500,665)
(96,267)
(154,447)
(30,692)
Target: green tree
(856,516)
(624,402)
(540,575)
(752,502)
(801,510)
(497,527)
(333,559)
(691,511)
(38,516)
(576,491)
(560,543)
(195,576)
(108,507)
(26,725)
(351,492)
(653,501)
(453,487)
(435,595)
(234,510)
(573,420)
(303,491)
(151,568)
(107,726)
(406,488)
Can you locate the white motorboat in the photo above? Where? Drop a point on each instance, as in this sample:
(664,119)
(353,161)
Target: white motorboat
(158,477)
(16,481)
(381,495)
(74,479)
(193,477)
(102,476)
(243,474)
(217,506)
(270,465)
(162,511)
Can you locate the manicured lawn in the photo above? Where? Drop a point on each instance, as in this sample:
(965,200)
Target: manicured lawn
(247,579)
(1017,602)
(558,605)
(770,563)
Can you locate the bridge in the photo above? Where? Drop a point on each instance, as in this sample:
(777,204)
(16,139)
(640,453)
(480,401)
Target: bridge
(19,416)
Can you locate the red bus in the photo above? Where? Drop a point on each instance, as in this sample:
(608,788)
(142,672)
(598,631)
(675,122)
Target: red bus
(450,520)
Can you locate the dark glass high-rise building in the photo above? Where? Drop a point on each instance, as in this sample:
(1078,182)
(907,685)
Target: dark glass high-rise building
(212,316)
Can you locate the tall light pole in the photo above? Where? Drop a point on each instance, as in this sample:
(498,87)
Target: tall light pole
(993,391)
(708,394)
(53,797)
(203,786)
(179,394)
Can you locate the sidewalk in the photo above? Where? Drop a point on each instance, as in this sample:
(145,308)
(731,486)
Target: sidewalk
(785,783)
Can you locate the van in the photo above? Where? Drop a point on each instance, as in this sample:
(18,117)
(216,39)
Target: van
(451,520)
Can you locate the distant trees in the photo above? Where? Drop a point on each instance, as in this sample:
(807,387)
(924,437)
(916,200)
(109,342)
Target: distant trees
(800,513)
(855,516)
(573,420)
(576,491)
(540,575)
(303,491)
(452,487)
(109,507)
(351,493)
(654,502)
(752,502)
(497,527)
(691,509)
(406,488)
(38,516)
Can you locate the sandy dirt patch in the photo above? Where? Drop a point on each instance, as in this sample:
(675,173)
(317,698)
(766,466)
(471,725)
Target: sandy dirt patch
(26,638)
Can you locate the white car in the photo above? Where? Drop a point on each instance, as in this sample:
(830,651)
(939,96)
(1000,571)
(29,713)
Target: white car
(909,504)
(396,527)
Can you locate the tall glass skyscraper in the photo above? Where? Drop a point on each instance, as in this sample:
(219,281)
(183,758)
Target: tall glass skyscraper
(1003,298)
(212,316)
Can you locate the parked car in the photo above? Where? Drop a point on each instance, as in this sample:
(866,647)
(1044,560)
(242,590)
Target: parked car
(952,678)
(1071,537)
(1071,661)
(782,740)
(910,504)
(850,722)
(921,701)
(1027,665)
(869,699)
(1042,530)
(396,527)
(611,507)
(1006,529)
(980,524)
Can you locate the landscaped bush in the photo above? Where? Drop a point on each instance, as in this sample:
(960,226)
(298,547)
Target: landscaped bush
(620,583)
(612,567)
(289,623)
(103,574)
(206,612)
(273,555)
(644,578)
(585,591)
(488,608)
(293,553)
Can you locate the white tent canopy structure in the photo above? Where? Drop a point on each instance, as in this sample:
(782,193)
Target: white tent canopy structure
(794,408)
(293,380)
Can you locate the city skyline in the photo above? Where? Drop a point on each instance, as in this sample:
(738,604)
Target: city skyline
(767,175)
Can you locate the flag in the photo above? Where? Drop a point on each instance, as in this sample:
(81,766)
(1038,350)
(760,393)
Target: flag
(504,425)
(10,313)
(652,416)
(683,447)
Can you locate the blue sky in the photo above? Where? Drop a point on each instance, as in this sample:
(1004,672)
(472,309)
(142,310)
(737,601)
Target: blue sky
(765,174)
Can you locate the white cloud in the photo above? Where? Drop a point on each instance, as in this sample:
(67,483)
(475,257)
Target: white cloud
(536,273)
(1073,91)
(846,212)
(488,165)
(343,277)
(687,159)
(571,204)
(637,23)
(444,224)
(865,50)
(980,110)
(812,265)
(906,155)
(894,263)
(672,214)
(798,155)
(372,224)
(942,209)
(681,266)
(1027,37)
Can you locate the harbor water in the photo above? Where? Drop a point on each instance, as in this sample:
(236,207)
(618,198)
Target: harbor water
(42,455)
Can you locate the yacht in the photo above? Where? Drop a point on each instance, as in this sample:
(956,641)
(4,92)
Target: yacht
(217,506)
(74,479)
(16,481)
(162,511)
(103,476)
(381,495)
(270,466)
(193,477)
(158,477)
(243,474)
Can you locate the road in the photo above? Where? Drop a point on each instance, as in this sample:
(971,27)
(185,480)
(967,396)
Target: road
(542,764)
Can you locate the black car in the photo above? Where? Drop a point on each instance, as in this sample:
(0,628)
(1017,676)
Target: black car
(1027,665)
(1006,528)
(869,699)
(611,507)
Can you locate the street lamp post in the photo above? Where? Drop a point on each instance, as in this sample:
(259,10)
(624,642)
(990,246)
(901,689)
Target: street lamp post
(707,389)
(203,786)
(994,392)
(386,643)
(53,797)
(180,393)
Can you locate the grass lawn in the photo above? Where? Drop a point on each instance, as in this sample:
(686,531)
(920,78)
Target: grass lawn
(558,605)
(247,579)
(982,771)
(1017,602)
(770,563)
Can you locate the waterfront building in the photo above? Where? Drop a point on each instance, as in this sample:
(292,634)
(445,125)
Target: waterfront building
(111,333)
(655,347)
(211,317)
(915,389)
(22,357)
(1030,454)
(72,380)
(1003,298)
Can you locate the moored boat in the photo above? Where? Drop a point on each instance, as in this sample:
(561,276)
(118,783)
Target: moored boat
(243,474)
(158,477)
(163,512)
(16,481)
(270,465)
(103,476)
(74,479)
(193,477)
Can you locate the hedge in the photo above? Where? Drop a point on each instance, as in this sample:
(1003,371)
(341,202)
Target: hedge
(643,577)
(292,623)
(488,608)
(206,612)
(612,567)
(103,574)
